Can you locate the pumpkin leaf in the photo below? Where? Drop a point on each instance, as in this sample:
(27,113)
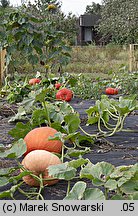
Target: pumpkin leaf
(6,193)
(111,184)
(77,191)
(21,115)
(77,163)
(62,171)
(38,117)
(131,186)
(41,94)
(4,181)
(76,152)
(86,171)
(16,151)
(20,130)
(73,122)
(117,197)
(93,194)
(7,171)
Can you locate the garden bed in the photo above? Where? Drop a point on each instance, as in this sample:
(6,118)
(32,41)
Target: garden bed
(119,149)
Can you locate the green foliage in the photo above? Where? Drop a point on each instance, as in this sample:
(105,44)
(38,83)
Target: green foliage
(4,3)
(107,109)
(119,21)
(94,8)
(36,39)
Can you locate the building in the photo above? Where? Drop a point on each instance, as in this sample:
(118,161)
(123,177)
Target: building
(87,29)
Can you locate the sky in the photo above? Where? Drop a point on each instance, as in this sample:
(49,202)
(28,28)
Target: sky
(77,7)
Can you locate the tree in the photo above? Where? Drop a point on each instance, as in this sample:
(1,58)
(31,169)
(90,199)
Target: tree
(120,21)
(61,22)
(95,8)
(4,3)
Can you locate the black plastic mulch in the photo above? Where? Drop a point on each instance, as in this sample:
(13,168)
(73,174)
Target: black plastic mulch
(121,149)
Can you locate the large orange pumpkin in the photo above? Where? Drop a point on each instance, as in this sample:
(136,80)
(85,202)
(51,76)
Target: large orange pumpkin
(38,139)
(38,162)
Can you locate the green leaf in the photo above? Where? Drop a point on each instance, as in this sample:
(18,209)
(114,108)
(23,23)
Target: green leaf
(9,193)
(131,186)
(77,153)
(33,59)
(111,184)
(38,117)
(62,171)
(119,171)
(93,194)
(134,196)
(92,120)
(16,178)
(73,122)
(28,102)
(5,194)
(102,170)
(16,151)
(128,174)
(77,163)
(77,191)
(117,197)
(86,171)
(41,94)
(4,181)
(6,171)
(58,127)
(20,130)
(19,116)
(98,173)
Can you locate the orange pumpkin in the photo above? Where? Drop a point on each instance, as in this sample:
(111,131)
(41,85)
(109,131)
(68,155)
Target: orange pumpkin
(38,162)
(111,91)
(34,81)
(38,139)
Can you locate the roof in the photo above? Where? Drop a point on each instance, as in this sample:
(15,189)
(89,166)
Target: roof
(89,20)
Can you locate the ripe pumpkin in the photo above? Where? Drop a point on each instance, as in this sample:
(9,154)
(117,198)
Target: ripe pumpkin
(38,162)
(57,85)
(111,91)
(33,81)
(64,94)
(38,139)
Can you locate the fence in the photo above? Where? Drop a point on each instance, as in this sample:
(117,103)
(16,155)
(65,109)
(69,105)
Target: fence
(2,65)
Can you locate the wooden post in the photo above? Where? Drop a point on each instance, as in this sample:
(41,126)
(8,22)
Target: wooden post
(2,65)
(133,61)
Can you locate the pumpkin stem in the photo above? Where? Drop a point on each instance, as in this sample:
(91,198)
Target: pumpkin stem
(40,188)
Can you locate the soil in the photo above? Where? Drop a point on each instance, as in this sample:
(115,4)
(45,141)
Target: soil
(120,149)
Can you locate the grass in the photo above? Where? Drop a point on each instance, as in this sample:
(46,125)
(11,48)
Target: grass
(94,61)
(98,61)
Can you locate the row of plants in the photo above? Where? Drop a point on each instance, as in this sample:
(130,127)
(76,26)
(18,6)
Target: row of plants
(92,88)
(122,83)
(53,146)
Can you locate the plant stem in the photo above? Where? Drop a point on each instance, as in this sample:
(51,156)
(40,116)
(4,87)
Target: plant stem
(106,193)
(122,122)
(62,154)
(106,124)
(115,129)
(114,117)
(68,188)
(40,188)
(99,126)
(91,135)
(47,113)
